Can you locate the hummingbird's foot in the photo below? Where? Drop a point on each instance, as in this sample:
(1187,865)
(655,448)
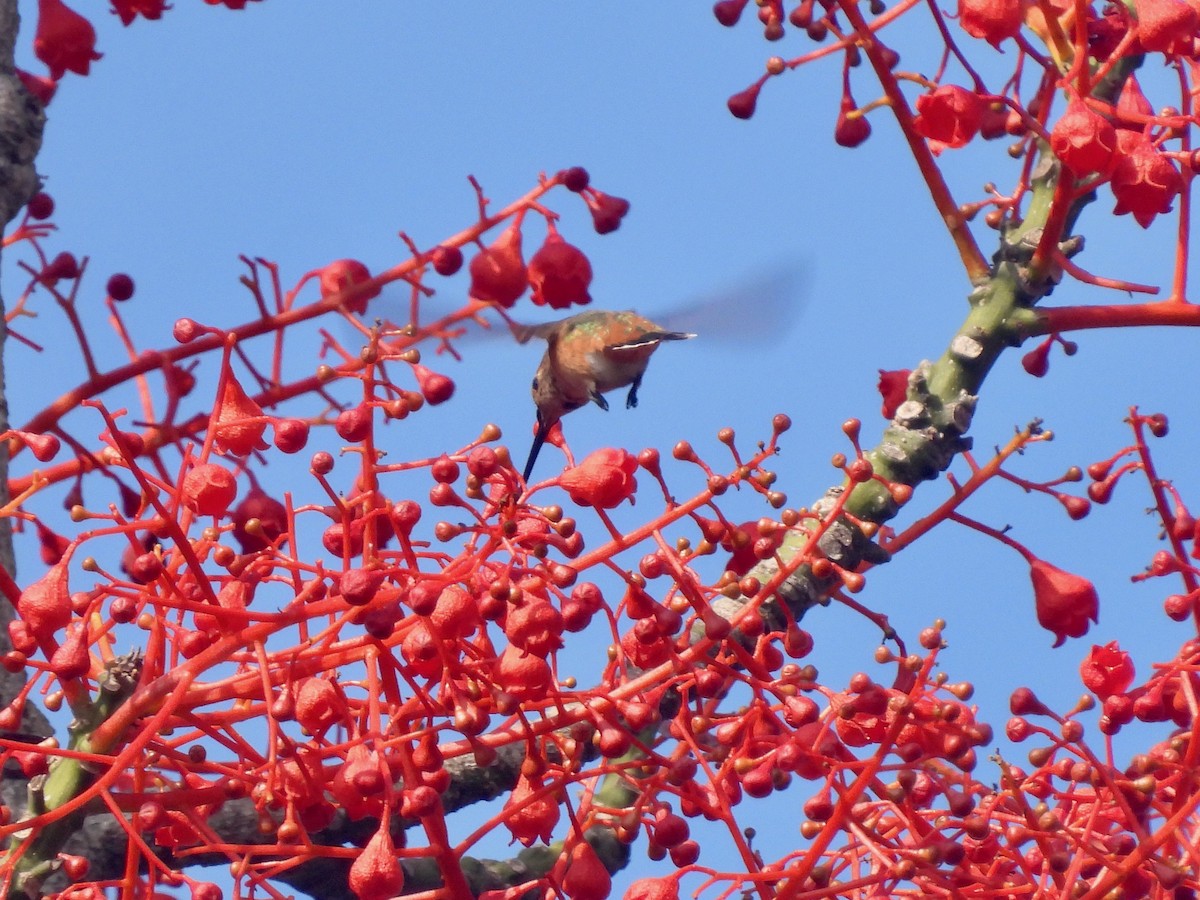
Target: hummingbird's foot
(631,400)
(598,399)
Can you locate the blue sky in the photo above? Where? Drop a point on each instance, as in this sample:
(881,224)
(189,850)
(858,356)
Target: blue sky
(303,132)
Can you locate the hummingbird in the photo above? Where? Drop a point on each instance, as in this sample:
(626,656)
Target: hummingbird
(587,356)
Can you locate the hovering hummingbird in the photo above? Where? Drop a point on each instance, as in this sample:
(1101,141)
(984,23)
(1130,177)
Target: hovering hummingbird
(589,354)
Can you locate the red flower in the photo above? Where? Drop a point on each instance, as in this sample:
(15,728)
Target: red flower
(603,479)
(992,20)
(498,272)
(1065,602)
(559,274)
(319,705)
(1132,105)
(893,387)
(65,40)
(607,211)
(1084,140)
(528,820)
(42,88)
(1163,25)
(376,874)
(45,606)
(129,10)
(1144,181)
(239,421)
(586,877)
(522,674)
(1107,670)
(948,116)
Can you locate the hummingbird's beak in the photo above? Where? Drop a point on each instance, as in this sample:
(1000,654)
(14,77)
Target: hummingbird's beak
(538,439)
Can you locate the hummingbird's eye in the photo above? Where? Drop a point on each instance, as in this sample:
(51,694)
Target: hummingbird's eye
(534,385)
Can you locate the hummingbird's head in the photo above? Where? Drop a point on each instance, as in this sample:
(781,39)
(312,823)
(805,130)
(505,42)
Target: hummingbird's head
(551,395)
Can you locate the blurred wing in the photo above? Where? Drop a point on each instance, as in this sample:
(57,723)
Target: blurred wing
(762,307)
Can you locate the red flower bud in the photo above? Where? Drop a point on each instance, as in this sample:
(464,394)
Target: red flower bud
(559,274)
(446,260)
(1065,602)
(1107,670)
(435,387)
(346,273)
(271,518)
(209,489)
(850,131)
(743,103)
(65,40)
(120,287)
(603,479)
(71,659)
(498,272)
(291,435)
(41,206)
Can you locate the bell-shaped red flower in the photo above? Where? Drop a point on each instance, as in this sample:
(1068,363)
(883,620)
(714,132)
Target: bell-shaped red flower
(1107,670)
(1084,140)
(376,874)
(239,421)
(129,10)
(1144,181)
(893,387)
(991,20)
(1164,25)
(498,272)
(604,479)
(1133,104)
(45,606)
(531,820)
(559,274)
(653,889)
(586,878)
(948,116)
(65,41)
(1065,602)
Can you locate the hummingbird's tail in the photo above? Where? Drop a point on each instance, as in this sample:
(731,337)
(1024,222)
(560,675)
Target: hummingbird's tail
(652,337)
